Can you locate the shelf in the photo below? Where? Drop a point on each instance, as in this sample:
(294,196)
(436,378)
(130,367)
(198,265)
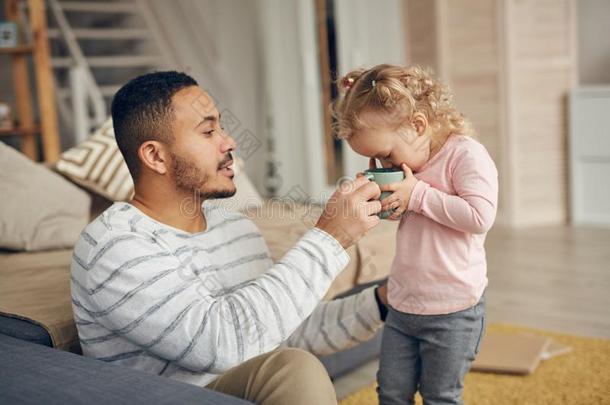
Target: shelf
(18,131)
(42,134)
(17,49)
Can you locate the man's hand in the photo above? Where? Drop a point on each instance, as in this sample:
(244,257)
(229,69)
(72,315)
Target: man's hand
(350,211)
(398,201)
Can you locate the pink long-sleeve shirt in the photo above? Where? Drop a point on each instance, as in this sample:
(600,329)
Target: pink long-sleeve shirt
(440,265)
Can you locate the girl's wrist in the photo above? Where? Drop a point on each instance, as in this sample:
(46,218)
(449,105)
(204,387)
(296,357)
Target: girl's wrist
(411,183)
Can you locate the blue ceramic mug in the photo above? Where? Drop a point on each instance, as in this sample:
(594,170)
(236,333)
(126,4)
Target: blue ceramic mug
(383,176)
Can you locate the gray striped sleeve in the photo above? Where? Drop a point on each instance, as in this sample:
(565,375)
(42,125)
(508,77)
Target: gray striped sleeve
(127,286)
(340,324)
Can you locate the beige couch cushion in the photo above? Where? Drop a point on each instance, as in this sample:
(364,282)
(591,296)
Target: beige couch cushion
(40,209)
(36,286)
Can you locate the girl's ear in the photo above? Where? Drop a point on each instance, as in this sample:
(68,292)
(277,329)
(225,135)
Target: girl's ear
(420,123)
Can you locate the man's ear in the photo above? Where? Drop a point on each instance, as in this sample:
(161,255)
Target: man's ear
(153,155)
(420,123)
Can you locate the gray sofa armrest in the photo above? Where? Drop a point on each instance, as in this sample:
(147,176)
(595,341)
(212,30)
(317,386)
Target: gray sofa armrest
(23,329)
(35,374)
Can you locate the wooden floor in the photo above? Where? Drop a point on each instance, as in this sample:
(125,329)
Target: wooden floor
(554,278)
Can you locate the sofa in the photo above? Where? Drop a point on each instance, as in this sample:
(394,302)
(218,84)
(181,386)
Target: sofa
(40,357)
(39,351)
(33,372)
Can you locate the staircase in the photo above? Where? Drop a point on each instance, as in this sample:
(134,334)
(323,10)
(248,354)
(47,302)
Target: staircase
(96,47)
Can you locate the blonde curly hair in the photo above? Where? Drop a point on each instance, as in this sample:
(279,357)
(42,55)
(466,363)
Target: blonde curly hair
(397,92)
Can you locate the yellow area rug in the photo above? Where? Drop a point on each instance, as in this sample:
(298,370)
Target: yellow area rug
(581,376)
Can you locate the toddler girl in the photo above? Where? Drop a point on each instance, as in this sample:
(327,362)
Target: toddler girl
(446,203)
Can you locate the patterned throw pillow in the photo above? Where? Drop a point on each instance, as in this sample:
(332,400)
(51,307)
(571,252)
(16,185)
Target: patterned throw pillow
(97,165)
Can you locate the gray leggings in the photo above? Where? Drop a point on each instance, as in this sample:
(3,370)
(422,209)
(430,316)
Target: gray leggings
(429,353)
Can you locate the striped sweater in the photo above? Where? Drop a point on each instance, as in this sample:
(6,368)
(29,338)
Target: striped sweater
(190,306)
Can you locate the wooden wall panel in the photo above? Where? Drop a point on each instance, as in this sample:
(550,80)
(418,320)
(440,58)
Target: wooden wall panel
(420,23)
(511,64)
(471,62)
(541,29)
(542,75)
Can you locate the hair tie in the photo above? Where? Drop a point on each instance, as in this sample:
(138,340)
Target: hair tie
(373,83)
(347,82)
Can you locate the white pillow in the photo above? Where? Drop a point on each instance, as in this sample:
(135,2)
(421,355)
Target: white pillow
(39,209)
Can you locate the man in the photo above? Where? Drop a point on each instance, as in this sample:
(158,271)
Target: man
(192,294)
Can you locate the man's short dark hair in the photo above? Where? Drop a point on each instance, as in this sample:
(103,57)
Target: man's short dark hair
(142,111)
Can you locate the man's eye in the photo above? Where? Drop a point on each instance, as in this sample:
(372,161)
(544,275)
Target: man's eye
(210,132)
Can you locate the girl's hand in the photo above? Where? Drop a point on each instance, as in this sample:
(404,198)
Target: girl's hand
(398,201)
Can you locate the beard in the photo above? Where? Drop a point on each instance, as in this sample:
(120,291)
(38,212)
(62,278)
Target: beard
(194,181)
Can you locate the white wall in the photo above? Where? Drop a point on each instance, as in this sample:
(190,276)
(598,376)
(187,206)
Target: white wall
(594,41)
(218,43)
(259,59)
(292,95)
(368,33)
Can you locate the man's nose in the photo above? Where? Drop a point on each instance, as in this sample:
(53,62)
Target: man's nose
(229,143)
